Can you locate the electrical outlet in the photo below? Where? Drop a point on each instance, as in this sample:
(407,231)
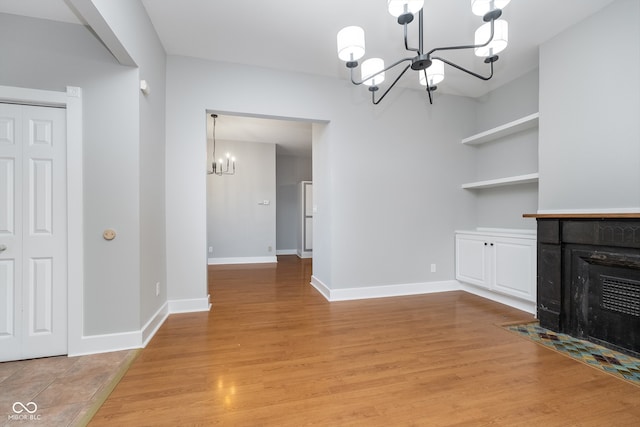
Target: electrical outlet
(210,249)
(433,268)
(157,288)
(270,249)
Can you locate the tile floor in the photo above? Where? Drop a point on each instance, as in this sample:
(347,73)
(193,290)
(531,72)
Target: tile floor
(58,391)
(613,362)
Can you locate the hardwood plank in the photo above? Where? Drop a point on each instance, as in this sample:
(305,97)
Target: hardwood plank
(274,352)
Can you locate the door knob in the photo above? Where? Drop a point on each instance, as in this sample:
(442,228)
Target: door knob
(3,248)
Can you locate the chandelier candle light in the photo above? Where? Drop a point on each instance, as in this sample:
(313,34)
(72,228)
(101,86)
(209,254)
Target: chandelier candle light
(490,39)
(220,168)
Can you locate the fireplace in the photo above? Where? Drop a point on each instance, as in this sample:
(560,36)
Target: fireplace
(589,278)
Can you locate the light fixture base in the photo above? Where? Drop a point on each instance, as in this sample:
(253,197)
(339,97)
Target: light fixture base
(373,88)
(405,18)
(420,62)
(492,15)
(491,59)
(352,64)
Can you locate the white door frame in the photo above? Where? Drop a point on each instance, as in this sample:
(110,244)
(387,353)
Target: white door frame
(72,101)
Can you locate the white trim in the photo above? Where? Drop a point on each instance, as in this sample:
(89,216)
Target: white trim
(528,306)
(152,326)
(321,287)
(385,291)
(520,234)
(304,254)
(242,260)
(72,101)
(189,305)
(518,231)
(367,292)
(593,211)
(286,252)
(106,343)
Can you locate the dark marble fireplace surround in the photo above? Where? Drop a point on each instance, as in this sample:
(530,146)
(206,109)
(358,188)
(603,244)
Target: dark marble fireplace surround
(589,278)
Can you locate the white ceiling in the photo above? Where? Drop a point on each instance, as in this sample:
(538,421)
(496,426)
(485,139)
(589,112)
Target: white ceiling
(301,35)
(292,138)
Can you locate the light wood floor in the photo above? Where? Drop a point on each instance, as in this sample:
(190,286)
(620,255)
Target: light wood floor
(273,352)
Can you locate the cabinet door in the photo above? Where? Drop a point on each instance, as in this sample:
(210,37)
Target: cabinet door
(514,265)
(471,260)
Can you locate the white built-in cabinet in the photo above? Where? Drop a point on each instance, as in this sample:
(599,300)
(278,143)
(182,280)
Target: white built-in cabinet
(502,262)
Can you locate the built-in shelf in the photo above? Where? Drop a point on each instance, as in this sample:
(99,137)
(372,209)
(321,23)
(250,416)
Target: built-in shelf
(499,182)
(515,126)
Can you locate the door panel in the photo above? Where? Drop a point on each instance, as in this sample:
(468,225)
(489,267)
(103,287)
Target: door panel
(7,301)
(33,274)
(7,185)
(40,188)
(40,294)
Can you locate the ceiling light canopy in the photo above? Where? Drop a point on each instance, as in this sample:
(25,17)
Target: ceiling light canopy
(490,39)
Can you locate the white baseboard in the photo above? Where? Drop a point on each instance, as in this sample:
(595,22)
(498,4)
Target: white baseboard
(189,305)
(527,306)
(242,260)
(385,291)
(304,254)
(347,294)
(286,251)
(107,343)
(321,287)
(152,326)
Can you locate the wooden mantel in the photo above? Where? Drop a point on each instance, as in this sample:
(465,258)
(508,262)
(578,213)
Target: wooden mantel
(584,216)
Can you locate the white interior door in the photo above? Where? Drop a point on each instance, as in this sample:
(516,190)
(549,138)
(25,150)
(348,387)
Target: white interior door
(33,232)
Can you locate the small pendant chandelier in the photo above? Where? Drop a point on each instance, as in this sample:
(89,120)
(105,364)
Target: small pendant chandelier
(490,39)
(220,168)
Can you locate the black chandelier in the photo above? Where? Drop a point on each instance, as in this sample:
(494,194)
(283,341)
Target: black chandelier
(490,39)
(220,168)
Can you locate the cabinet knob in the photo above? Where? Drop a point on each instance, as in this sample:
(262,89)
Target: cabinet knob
(485,243)
(492,244)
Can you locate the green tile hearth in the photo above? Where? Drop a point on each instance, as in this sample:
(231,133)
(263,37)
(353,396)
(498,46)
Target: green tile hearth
(618,364)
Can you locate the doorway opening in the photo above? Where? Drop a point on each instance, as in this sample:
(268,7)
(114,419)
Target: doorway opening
(255,214)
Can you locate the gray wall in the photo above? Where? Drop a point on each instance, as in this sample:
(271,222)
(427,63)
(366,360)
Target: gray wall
(386,178)
(517,154)
(290,170)
(589,110)
(123,157)
(237,225)
(129,20)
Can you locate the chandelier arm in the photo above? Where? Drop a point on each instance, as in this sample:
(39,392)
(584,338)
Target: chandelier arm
(470,46)
(373,93)
(379,72)
(420,48)
(469,71)
(406,42)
